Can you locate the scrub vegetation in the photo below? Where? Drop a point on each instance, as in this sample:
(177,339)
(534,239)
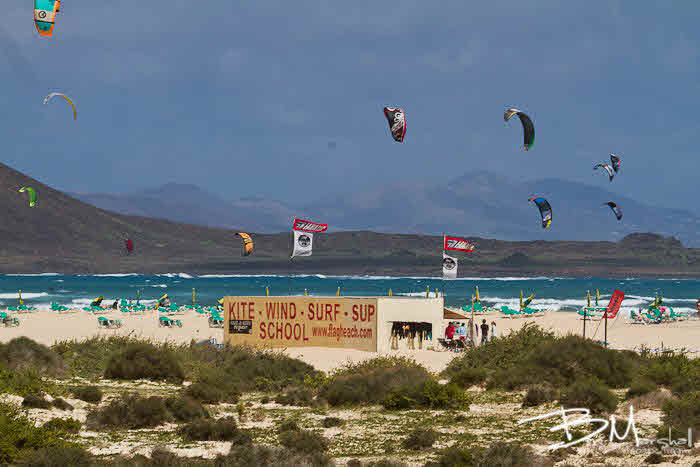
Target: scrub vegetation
(264,408)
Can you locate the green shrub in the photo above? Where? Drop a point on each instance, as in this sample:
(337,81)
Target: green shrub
(145,361)
(23,354)
(250,369)
(428,394)
(467,377)
(532,356)
(185,409)
(687,382)
(61,404)
(288,425)
(453,457)
(91,394)
(681,414)
(130,412)
(505,352)
(19,435)
(61,456)
(539,394)
(68,425)
(234,369)
(330,422)
(420,438)
(299,397)
(24,382)
(223,429)
(654,458)
(265,456)
(36,401)
(666,369)
(205,393)
(371,381)
(589,393)
(161,457)
(502,453)
(639,387)
(303,441)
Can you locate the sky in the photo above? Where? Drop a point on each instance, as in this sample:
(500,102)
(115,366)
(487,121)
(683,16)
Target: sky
(281,100)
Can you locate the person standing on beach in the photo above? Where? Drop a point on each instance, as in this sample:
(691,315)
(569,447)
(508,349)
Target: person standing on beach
(484,332)
(450,331)
(493,330)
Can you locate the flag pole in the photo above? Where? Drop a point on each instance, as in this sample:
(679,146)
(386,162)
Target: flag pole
(444,292)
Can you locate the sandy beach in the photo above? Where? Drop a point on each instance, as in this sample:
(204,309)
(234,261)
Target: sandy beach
(48,327)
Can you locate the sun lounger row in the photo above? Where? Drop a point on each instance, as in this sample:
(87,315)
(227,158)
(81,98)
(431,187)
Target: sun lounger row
(655,315)
(8,321)
(525,312)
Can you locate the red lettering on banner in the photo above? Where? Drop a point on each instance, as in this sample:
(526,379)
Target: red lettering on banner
(362,312)
(238,310)
(262,330)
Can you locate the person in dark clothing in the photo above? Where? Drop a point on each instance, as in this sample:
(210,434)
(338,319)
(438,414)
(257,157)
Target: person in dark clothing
(484,332)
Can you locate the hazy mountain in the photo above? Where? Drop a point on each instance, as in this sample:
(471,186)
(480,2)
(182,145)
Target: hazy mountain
(478,203)
(193,205)
(62,234)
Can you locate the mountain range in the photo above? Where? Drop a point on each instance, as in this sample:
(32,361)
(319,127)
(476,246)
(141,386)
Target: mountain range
(63,234)
(479,204)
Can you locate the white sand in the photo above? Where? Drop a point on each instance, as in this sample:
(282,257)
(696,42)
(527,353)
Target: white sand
(49,327)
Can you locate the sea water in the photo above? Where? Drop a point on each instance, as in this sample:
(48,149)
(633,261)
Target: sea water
(551,293)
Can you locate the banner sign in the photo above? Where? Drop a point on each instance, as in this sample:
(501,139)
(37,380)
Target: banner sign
(341,322)
(308,226)
(614,305)
(458,244)
(449,266)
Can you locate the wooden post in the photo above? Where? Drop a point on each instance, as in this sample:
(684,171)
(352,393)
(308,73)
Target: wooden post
(337,293)
(193,296)
(390,293)
(21,302)
(606,329)
(267,291)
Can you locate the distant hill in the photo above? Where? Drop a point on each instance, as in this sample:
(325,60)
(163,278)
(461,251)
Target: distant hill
(193,205)
(478,203)
(63,234)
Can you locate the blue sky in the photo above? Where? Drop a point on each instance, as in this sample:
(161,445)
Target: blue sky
(248,98)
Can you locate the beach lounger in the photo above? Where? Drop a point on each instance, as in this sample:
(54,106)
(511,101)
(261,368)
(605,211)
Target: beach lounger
(21,308)
(8,321)
(108,323)
(638,317)
(215,320)
(59,308)
(165,322)
(509,313)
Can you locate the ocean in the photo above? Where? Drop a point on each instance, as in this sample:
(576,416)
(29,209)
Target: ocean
(551,293)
